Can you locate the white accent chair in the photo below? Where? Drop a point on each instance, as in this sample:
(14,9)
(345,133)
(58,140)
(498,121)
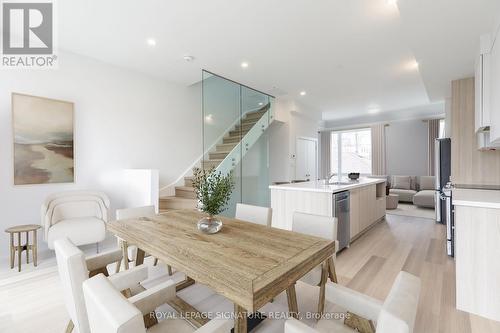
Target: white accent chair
(324,227)
(130,213)
(110,312)
(74,269)
(254,214)
(395,315)
(80,216)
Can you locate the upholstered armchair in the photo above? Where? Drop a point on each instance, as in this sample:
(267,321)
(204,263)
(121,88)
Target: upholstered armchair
(80,216)
(74,268)
(395,315)
(110,312)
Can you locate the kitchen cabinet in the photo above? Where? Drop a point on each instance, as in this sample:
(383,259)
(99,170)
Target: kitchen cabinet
(477,231)
(494,92)
(483,85)
(354,212)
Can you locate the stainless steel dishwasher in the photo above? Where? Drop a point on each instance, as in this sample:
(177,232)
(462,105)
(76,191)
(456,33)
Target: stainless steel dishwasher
(341,210)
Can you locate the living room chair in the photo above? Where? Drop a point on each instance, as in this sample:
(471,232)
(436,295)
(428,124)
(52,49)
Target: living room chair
(74,269)
(110,312)
(254,214)
(80,216)
(324,227)
(395,315)
(130,251)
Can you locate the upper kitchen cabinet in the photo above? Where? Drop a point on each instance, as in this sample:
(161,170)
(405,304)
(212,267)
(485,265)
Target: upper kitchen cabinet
(483,85)
(495,90)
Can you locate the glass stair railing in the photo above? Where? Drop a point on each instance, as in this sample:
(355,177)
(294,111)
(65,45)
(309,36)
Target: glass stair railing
(246,136)
(235,137)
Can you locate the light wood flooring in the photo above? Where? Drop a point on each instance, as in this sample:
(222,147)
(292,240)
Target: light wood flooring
(32,301)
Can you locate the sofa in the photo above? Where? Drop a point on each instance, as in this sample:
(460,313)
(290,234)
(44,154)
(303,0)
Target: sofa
(418,190)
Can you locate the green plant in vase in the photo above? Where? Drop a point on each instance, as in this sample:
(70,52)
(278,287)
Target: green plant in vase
(213,191)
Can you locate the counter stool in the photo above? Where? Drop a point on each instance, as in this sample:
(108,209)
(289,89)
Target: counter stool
(19,248)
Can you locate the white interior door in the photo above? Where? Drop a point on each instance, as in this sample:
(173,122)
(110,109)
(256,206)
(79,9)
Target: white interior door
(306,159)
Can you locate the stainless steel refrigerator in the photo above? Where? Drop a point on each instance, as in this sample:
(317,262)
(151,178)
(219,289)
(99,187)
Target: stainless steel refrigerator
(444,209)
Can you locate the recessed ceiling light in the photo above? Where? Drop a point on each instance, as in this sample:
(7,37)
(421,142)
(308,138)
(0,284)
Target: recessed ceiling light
(151,41)
(244,65)
(411,65)
(303,93)
(188,58)
(209,118)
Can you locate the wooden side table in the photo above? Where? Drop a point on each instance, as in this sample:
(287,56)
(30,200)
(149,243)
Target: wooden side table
(19,248)
(392,201)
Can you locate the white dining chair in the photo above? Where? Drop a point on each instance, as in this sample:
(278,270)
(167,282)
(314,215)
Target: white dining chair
(74,268)
(324,227)
(255,214)
(110,312)
(395,315)
(131,250)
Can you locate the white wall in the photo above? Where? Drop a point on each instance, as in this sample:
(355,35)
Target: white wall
(122,120)
(294,120)
(406,148)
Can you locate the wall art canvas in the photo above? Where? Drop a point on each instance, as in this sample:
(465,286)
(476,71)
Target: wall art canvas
(43,140)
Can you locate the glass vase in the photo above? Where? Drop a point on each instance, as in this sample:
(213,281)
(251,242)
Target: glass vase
(209,225)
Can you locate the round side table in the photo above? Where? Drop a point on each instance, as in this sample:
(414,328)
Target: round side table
(392,201)
(19,248)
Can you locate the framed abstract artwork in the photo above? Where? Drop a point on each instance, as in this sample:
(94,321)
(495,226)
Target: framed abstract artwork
(43,140)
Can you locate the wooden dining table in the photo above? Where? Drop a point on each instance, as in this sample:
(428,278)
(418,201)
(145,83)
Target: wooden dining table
(247,263)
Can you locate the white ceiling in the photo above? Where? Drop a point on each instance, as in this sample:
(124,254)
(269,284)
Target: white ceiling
(349,55)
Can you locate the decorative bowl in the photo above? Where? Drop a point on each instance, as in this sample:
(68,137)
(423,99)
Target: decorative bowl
(353,175)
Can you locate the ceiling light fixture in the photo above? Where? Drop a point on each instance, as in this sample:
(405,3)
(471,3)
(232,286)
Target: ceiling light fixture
(244,65)
(411,65)
(188,58)
(392,2)
(151,41)
(303,93)
(209,118)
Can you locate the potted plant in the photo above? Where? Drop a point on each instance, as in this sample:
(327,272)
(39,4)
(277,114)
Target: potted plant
(213,191)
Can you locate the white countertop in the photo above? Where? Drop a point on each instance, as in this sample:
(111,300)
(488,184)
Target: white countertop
(476,198)
(320,186)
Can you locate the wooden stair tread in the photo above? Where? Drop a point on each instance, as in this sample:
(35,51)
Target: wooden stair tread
(174,198)
(185,188)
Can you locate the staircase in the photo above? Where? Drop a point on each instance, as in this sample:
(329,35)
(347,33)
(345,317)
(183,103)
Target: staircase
(185,197)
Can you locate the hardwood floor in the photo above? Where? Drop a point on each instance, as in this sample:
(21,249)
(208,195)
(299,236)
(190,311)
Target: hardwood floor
(32,301)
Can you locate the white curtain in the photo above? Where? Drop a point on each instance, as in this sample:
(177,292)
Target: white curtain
(378,149)
(433,134)
(325,150)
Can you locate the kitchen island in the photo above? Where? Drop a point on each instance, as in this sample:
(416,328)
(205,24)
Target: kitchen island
(477,247)
(367,202)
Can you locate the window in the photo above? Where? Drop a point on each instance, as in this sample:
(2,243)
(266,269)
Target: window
(442,131)
(351,151)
